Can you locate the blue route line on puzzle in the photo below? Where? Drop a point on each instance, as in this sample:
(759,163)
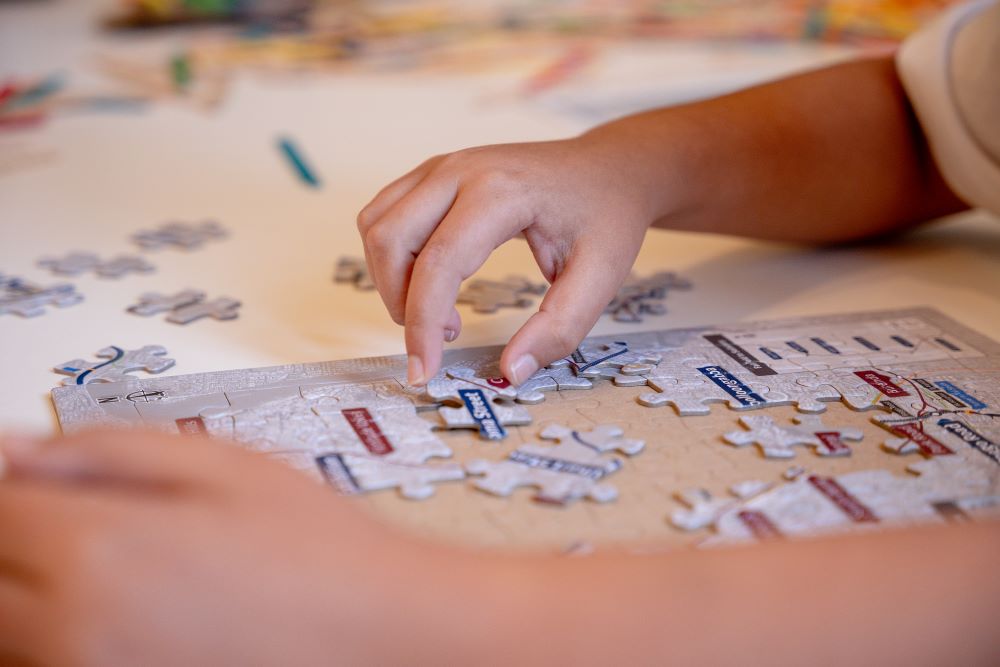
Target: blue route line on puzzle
(119,353)
(589,364)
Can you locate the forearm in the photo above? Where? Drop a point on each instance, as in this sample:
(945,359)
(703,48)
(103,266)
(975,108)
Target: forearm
(918,597)
(827,156)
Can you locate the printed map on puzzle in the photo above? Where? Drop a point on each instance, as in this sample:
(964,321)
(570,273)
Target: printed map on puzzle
(711,435)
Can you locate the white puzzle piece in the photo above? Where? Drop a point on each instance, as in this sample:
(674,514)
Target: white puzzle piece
(116,365)
(776,441)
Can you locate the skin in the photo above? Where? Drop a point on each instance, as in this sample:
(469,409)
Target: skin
(123,548)
(133,548)
(825,157)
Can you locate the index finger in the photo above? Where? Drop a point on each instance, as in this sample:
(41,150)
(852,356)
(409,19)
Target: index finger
(458,247)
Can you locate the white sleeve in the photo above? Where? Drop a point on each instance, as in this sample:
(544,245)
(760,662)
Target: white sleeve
(951,73)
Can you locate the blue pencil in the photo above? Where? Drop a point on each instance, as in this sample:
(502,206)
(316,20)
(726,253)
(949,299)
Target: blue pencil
(287,147)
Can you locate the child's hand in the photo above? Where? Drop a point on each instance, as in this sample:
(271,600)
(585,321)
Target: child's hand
(125,548)
(577,203)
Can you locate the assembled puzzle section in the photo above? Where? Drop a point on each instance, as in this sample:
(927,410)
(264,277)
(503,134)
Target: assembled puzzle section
(937,405)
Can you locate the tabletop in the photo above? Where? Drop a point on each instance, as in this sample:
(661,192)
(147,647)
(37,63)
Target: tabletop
(87,181)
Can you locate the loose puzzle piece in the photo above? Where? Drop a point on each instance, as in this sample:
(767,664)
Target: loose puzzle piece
(644,296)
(776,440)
(354,270)
(551,378)
(118,363)
(352,473)
(119,266)
(153,303)
(186,236)
(80,262)
(487,296)
(18,297)
(563,473)
(72,264)
(222,308)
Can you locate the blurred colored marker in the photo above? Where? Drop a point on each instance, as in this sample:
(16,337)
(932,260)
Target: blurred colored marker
(298,163)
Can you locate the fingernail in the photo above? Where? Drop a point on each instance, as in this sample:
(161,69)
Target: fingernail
(523,368)
(450,335)
(415,370)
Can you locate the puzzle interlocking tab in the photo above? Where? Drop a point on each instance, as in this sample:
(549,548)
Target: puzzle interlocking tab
(563,473)
(354,271)
(488,296)
(19,297)
(117,363)
(776,441)
(182,235)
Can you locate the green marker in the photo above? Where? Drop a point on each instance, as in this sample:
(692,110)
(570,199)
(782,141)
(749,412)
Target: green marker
(180,68)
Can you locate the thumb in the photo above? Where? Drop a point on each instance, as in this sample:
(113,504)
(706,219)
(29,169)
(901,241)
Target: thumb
(566,315)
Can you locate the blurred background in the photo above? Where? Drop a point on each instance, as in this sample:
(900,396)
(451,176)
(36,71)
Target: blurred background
(592,59)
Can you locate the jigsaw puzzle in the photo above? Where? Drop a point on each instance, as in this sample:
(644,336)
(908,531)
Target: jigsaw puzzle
(776,440)
(923,391)
(181,235)
(353,271)
(222,308)
(488,296)
(19,297)
(562,473)
(117,364)
(644,296)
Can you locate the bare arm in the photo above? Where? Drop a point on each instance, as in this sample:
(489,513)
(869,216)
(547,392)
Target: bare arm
(826,156)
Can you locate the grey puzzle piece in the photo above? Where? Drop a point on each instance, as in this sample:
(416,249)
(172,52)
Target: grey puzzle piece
(352,473)
(153,303)
(119,266)
(610,361)
(186,236)
(117,363)
(563,473)
(29,300)
(72,264)
(354,270)
(644,296)
(777,440)
(222,308)
(487,296)
(550,379)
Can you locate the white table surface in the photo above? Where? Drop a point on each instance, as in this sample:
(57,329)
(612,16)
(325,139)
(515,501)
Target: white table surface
(110,174)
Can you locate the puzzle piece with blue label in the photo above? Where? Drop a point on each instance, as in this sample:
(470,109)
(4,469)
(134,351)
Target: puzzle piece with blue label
(776,440)
(25,299)
(562,473)
(117,364)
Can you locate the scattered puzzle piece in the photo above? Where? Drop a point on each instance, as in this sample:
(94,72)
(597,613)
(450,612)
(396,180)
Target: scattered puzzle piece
(186,236)
(222,308)
(563,473)
(153,303)
(487,296)
(644,296)
(776,440)
(18,297)
(72,264)
(80,262)
(119,266)
(118,363)
(354,270)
